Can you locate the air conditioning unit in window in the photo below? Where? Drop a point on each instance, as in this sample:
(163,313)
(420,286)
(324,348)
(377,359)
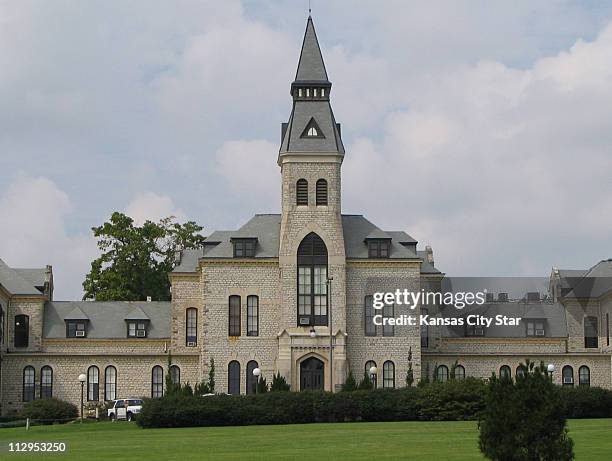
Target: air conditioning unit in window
(539,332)
(80,334)
(568,380)
(305,320)
(141,333)
(191,344)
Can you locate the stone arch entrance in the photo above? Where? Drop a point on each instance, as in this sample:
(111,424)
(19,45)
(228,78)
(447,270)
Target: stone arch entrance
(311,374)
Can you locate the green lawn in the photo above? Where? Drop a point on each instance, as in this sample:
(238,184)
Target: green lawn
(351,441)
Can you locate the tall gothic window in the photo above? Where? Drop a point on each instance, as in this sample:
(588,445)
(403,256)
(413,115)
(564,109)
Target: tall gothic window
(175,374)
(251,381)
(370,326)
(234,315)
(46,382)
(301,192)
(157,382)
(28,391)
(252,316)
(312,281)
(388,374)
(321,191)
(568,375)
(584,376)
(110,383)
(191,325)
(233,377)
(388,313)
(93,383)
(22,330)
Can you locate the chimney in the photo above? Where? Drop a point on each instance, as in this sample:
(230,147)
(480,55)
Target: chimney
(429,251)
(502,297)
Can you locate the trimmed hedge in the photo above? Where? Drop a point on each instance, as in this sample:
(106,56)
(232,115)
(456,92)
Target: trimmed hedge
(449,401)
(49,411)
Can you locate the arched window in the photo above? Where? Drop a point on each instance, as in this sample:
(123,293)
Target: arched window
(252,316)
(584,376)
(251,381)
(568,375)
(520,371)
(29,378)
(368,366)
(46,382)
(301,192)
(504,372)
(22,330)
(93,383)
(312,281)
(388,375)
(233,377)
(234,316)
(175,374)
(110,383)
(321,190)
(191,327)
(157,382)
(442,373)
(459,372)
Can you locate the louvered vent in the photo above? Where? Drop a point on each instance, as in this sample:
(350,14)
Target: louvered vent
(302,192)
(321,192)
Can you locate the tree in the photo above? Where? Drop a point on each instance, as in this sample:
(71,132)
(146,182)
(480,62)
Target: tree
(453,370)
(350,384)
(262,385)
(524,420)
(279,383)
(171,387)
(135,260)
(366,382)
(410,372)
(211,376)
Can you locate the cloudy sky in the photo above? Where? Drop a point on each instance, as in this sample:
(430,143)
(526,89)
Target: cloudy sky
(483,129)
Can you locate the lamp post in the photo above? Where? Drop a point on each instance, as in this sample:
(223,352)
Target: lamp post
(256,373)
(551,369)
(373,371)
(82,379)
(331,336)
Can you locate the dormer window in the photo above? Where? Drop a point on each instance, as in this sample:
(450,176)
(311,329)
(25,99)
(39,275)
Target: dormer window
(312,131)
(244,247)
(76,329)
(378,248)
(136,329)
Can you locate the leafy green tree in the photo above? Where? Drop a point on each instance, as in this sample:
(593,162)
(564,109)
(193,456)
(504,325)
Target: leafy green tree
(350,384)
(135,260)
(524,420)
(279,383)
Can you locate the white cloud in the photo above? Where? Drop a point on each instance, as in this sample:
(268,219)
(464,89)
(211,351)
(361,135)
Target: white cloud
(153,207)
(33,233)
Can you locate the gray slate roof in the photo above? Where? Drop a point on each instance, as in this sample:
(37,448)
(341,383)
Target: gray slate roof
(106,319)
(15,283)
(552,313)
(311,66)
(266,228)
(594,283)
(302,112)
(36,277)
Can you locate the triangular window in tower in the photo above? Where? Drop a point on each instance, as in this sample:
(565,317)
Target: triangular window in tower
(312,130)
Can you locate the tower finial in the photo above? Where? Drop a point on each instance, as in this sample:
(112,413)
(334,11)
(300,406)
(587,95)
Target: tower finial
(309,8)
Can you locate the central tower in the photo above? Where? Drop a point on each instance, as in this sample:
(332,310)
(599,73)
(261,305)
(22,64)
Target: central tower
(311,235)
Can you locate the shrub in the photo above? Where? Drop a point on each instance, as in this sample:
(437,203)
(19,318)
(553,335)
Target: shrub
(49,411)
(279,383)
(350,384)
(366,383)
(452,400)
(524,420)
(587,402)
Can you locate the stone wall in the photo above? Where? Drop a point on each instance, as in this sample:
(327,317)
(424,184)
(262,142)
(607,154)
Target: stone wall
(33,308)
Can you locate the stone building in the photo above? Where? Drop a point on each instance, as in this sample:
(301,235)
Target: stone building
(289,293)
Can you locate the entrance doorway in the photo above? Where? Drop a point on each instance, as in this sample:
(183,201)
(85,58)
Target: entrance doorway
(311,374)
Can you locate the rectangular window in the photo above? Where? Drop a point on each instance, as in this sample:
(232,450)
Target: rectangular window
(320,295)
(304,295)
(388,313)
(234,316)
(76,329)
(244,248)
(424,331)
(590,332)
(252,316)
(137,329)
(22,330)
(378,248)
(536,328)
(191,327)
(474,330)
(370,312)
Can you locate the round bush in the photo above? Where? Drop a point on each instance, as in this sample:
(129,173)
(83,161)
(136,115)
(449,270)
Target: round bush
(49,411)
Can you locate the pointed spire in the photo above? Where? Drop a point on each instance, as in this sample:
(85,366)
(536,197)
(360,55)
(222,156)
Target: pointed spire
(311,66)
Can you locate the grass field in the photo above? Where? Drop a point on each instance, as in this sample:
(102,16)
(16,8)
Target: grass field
(351,441)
